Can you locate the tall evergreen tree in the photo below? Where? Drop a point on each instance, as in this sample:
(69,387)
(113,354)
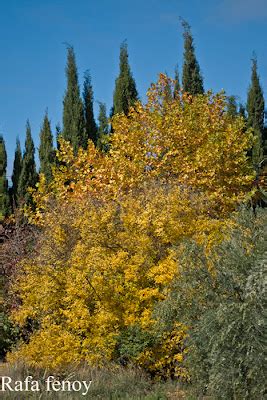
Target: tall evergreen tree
(46,149)
(177,82)
(125,93)
(255,111)
(88,102)
(192,78)
(4,198)
(17,168)
(242,111)
(58,134)
(73,118)
(103,128)
(232,106)
(28,176)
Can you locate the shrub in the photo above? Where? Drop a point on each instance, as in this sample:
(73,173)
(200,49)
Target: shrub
(221,299)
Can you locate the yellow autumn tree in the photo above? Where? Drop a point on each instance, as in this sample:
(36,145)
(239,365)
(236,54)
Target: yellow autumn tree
(111,226)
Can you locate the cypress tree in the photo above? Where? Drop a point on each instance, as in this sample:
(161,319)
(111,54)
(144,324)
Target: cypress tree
(28,176)
(88,101)
(17,167)
(192,78)
(242,111)
(58,135)
(177,82)
(4,198)
(46,149)
(232,106)
(103,128)
(125,93)
(264,140)
(73,118)
(255,111)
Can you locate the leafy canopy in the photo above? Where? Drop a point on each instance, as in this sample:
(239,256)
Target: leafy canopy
(176,168)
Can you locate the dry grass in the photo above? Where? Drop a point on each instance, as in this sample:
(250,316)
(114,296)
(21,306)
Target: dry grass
(110,383)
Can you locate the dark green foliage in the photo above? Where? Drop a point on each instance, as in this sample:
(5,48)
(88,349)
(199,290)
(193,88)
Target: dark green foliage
(46,149)
(125,93)
(177,82)
(132,342)
(192,78)
(242,111)
(8,334)
(4,198)
(88,101)
(103,128)
(28,176)
(73,117)
(58,134)
(255,111)
(265,142)
(17,168)
(225,311)
(232,106)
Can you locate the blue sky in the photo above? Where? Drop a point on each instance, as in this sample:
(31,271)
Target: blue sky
(33,54)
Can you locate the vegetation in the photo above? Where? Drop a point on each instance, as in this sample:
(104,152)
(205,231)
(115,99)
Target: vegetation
(113,382)
(46,149)
(125,93)
(17,168)
(73,115)
(255,110)
(4,200)
(232,106)
(28,176)
(192,79)
(103,128)
(105,253)
(137,255)
(88,99)
(220,297)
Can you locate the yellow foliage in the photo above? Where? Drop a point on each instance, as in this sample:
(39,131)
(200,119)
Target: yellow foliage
(110,224)
(166,358)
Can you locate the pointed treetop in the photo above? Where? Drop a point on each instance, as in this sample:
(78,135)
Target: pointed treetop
(255,112)
(88,103)
(17,167)
(71,68)
(186,26)
(28,176)
(46,149)
(73,117)
(4,199)
(29,145)
(192,78)
(125,93)
(124,63)
(255,101)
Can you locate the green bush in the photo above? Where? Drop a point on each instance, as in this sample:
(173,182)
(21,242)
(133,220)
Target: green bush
(131,342)
(222,297)
(8,334)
